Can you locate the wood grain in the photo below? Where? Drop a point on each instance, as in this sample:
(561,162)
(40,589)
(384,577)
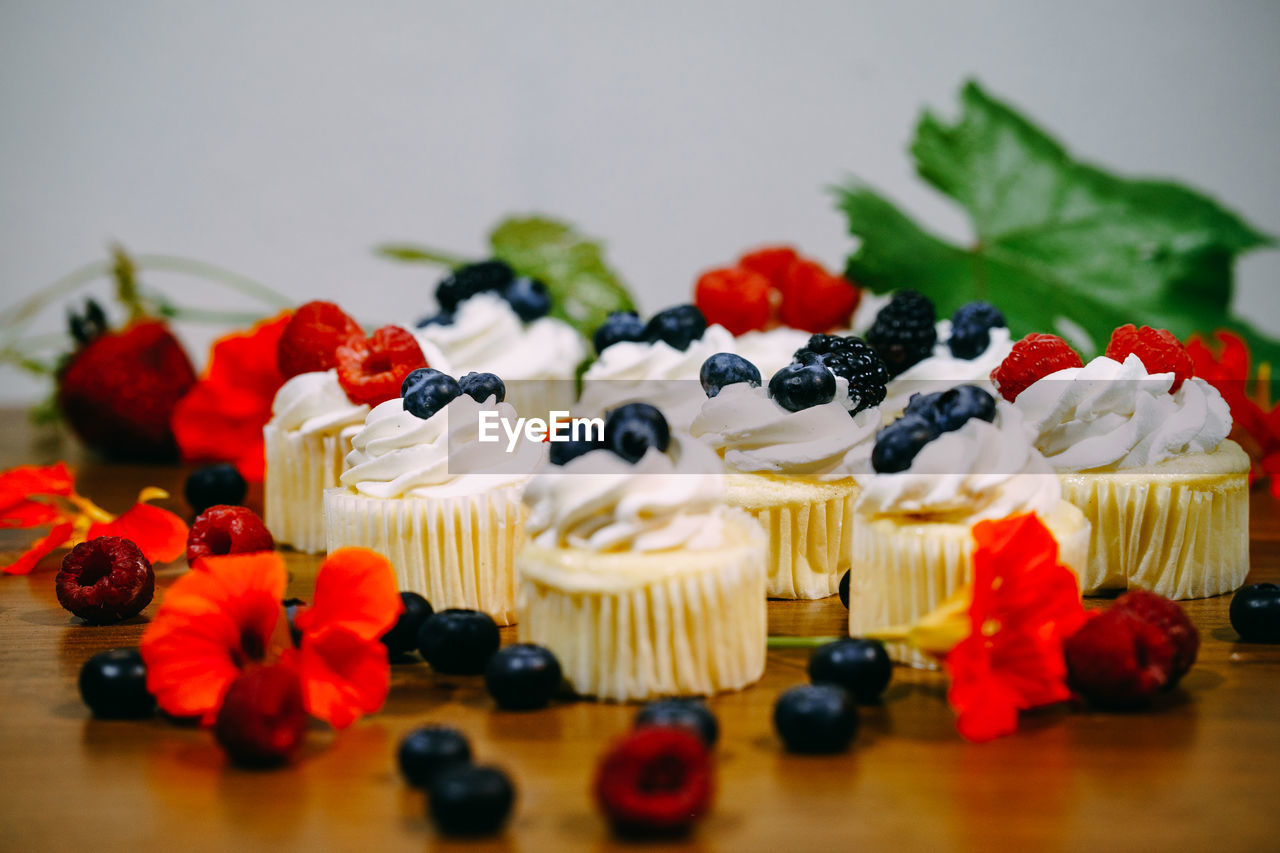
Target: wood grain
(1197,772)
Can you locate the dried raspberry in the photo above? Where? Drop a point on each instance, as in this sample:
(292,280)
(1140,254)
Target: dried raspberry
(263,718)
(654,780)
(1032,358)
(1118,660)
(311,338)
(772,262)
(1159,350)
(736,298)
(226,529)
(1169,618)
(814,300)
(372,371)
(105,580)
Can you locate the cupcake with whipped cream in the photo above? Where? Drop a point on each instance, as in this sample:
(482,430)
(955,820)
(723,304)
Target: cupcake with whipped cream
(427,487)
(493,321)
(952,460)
(1145,454)
(636,575)
(794,452)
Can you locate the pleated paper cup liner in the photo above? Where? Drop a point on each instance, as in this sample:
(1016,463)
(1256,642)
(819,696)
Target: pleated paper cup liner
(299,469)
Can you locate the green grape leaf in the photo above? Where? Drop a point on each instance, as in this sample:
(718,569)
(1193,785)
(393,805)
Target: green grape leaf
(1059,245)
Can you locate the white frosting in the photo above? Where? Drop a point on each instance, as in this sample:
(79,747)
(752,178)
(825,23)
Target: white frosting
(869,305)
(486,335)
(753,433)
(600,502)
(397,454)
(314,403)
(1108,415)
(942,370)
(772,350)
(982,470)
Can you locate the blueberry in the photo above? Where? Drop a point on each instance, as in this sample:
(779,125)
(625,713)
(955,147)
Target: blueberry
(844,589)
(860,666)
(426,751)
(957,406)
(725,368)
(564,452)
(800,386)
(292,606)
(522,677)
(528,297)
(1255,613)
(114,685)
(619,326)
(214,485)
(632,429)
(468,280)
(816,718)
(982,314)
(679,326)
(470,800)
(427,391)
(403,636)
(924,405)
(444,318)
(691,714)
(458,642)
(898,443)
(968,341)
(481,386)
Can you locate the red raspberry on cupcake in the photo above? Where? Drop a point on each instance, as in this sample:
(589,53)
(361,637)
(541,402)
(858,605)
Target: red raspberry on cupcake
(1031,359)
(1159,350)
(372,370)
(311,338)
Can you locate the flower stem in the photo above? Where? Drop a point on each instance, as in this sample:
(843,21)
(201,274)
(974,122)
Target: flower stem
(212,272)
(416,254)
(799,642)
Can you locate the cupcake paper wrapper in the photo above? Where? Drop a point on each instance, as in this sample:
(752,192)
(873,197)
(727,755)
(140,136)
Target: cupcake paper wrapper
(299,469)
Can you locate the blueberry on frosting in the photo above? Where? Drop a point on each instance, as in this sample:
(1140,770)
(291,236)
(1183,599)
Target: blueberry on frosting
(679,326)
(725,368)
(951,409)
(801,386)
(630,430)
(619,326)
(897,444)
(426,391)
(528,297)
(481,386)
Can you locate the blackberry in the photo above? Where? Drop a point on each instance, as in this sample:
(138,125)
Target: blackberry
(904,332)
(467,281)
(855,361)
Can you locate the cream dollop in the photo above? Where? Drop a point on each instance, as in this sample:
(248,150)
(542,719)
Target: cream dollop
(755,434)
(982,470)
(600,502)
(771,350)
(313,403)
(397,454)
(1113,415)
(942,370)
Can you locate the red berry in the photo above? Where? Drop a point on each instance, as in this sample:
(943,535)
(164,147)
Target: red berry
(263,717)
(655,779)
(772,262)
(736,298)
(1159,350)
(372,371)
(1118,660)
(225,529)
(311,338)
(105,580)
(1032,358)
(118,391)
(814,300)
(1169,618)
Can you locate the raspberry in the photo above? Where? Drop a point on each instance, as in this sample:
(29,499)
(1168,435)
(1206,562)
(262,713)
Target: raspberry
(1169,618)
(853,359)
(1159,349)
(311,338)
(262,719)
(904,332)
(225,529)
(1032,358)
(372,371)
(105,580)
(772,262)
(736,298)
(654,780)
(1119,660)
(814,300)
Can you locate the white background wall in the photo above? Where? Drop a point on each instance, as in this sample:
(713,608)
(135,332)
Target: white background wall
(283,139)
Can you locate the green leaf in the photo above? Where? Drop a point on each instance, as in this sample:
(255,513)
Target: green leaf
(1059,245)
(584,289)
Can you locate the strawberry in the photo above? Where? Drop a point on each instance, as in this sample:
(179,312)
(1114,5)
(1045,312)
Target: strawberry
(1159,350)
(654,780)
(772,262)
(1032,358)
(814,300)
(310,341)
(736,298)
(371,371)
(118,391)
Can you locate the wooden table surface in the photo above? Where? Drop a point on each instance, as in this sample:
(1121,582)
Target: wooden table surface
(1200,771)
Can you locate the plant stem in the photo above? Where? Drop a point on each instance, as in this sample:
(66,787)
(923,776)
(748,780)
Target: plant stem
(414,253)
(17,317)
(212,272)
(799,642)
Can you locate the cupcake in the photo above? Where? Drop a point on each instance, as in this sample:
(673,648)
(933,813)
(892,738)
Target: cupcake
(793,453)
(492,321)
(951,461)
(426,489)
(1144,454)
(636,575)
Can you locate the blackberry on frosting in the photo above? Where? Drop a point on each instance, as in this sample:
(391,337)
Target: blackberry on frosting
(904,331)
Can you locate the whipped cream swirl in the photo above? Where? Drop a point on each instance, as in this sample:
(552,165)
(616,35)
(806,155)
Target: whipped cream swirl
(755,434)
(486,335)
(1113,415)
(600,502)
(314,403)
(942,370)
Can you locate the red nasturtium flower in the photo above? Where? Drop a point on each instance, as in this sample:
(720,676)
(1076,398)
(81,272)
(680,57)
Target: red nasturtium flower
(215,623)
(221,418)
(38,495)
